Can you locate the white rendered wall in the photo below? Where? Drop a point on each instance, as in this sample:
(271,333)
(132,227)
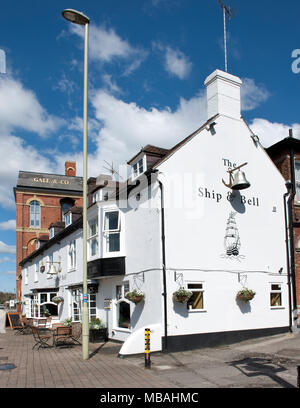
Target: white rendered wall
(195,231)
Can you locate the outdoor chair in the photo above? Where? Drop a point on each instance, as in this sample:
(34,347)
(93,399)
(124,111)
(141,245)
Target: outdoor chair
(63,336)
(25,327)
(76,332)
(41,337)
(42,322)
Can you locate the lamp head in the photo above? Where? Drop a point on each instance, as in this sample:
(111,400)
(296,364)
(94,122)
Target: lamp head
(75,16)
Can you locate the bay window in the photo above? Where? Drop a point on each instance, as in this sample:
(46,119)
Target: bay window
(93,237)
(41,305)
(111,231)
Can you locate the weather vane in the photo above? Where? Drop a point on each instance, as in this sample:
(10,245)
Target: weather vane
(226,11)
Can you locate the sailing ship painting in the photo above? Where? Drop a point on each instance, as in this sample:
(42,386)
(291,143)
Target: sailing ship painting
(232,242)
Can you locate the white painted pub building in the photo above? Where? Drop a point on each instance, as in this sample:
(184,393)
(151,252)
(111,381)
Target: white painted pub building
(207,215)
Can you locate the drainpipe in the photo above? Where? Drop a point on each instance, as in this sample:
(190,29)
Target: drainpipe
(163,241)
(291,229)
(288,186)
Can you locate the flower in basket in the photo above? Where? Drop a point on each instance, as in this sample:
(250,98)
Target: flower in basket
(96,324)
(182,295)
(135,296)
(57,299)
(245,294)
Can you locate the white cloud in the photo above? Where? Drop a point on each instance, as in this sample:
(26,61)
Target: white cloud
(20,108)
(7,259)
(17,156)
(269,132)
(9,273)
(127,127)
(8,225)
(7,249)
(252,95)
(111,85)
(176,63)
(105,46)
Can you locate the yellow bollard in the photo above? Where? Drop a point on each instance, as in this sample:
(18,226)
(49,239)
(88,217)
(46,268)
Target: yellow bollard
(147,348)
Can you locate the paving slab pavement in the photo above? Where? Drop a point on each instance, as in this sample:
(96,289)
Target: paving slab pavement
(262,363)
(269,362)
(65,368)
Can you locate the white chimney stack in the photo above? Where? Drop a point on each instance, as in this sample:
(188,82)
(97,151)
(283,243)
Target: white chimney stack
(223,92)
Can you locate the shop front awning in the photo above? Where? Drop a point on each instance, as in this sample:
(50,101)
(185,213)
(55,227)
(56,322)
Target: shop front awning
(106,267)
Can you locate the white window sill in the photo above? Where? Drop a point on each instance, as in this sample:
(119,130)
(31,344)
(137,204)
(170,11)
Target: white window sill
(92,258)
(72,269)
(277,307)
(113,254)
(197,310)
(121,330)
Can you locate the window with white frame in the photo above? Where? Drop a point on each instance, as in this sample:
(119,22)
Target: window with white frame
(276,295)
(51,232)
(68,219)
(26,276)
(48,266)
(95,196)
(35,214)
(72,254)
(36,272)
(196,301)
(111,231)
(122,311)
(138,168)
(76,301)
(41,305)
(93,237)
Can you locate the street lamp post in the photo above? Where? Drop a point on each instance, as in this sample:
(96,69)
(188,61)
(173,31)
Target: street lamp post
(79,18)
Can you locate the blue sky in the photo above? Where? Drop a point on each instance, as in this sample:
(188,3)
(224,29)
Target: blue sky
(148,60)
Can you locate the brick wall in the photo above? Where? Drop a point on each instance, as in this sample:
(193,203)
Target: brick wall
(282,162)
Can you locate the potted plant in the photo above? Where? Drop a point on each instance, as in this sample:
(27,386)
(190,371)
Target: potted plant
(245,294)
(46,312)
(97,330)
(68,322)
(182,295)
(57,299)
(135,296)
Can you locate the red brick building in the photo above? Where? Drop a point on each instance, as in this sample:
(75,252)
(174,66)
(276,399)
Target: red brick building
(286,156)
(41,200)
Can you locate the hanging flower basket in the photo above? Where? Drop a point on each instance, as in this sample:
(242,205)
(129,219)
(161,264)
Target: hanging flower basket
(57,299)
(135,296)
(245,295)
(182,295)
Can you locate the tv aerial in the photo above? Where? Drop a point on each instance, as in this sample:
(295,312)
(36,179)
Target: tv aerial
(226,12)
(110,168)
